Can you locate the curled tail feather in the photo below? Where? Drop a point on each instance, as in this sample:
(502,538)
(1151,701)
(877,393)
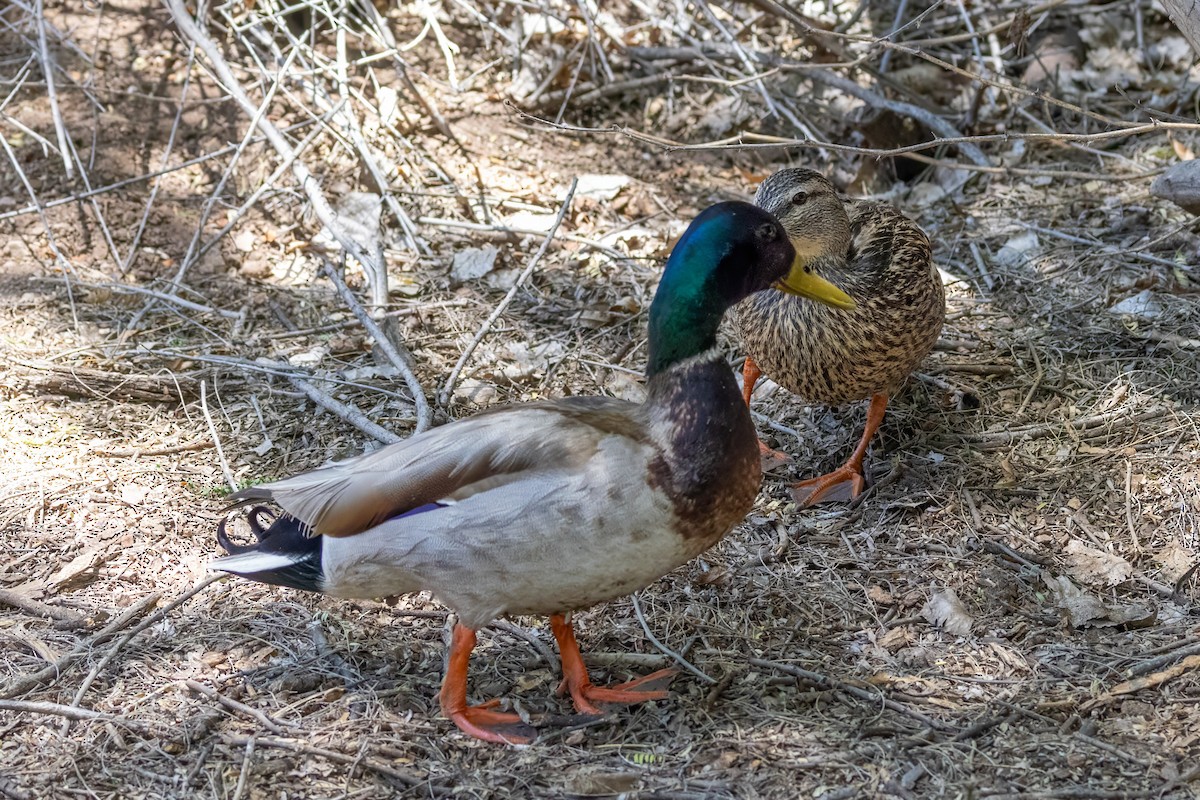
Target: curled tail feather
(282,554)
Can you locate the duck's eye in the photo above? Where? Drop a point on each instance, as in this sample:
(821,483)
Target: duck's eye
(766,232)
(799,198)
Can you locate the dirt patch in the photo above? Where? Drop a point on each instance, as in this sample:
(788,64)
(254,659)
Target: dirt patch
(1036,489)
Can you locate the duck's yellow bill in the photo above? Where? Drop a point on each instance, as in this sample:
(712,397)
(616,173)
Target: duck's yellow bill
(806,284)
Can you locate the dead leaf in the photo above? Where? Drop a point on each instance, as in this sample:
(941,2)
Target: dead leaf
(946,611)
(88,559)
(1174,561)
(523,361)
(473,263)
(1094,566)
(602,783)
(245,240)
(896,639)
(877,594)
(1085,610)
(601,187)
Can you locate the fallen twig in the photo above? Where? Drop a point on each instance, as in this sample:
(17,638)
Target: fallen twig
(344,411)
(216,439)
(142,452)
(1117,418)
(841,686)
(70,712)
(304,177)
(270,723)
(20,685)
(401,361)
(662,648)
(373,764)
(448,389)
(65,617)
(60,129)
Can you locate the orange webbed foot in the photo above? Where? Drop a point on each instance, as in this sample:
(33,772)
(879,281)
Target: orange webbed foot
(586,695)
(640,690)
(492,726)
(479,721)
(844,483)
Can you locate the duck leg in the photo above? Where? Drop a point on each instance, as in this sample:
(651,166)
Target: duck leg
(583,693)
(478,721)
(810,492)
(770,459)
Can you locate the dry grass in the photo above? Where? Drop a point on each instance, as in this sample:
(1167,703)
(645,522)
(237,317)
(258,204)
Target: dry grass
(1048,438)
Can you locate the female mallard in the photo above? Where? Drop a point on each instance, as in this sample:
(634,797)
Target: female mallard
(544,508)
(837,355)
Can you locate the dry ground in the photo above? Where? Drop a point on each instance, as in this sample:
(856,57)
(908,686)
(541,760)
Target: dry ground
(1008,613)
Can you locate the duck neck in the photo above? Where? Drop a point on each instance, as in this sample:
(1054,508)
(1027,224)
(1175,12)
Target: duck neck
(708,459)
(681,329)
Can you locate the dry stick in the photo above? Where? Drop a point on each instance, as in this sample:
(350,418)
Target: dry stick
(70,712)
(60,260)
(121,184)
(862,694)
(95,204)
(352,126)
(192,255)
(308,183)
(399,360)
(166,450)
(1158,662)
(935,123)
(267,367)
(141,227)
(458,302)
(662,648)
(21,685)
(166,298)
(270,723)
(529,637)
(60,129)
(375,765)
(1036,431)
(1101,246)
(615,255)
(244,775)
(343,411)
(448,389)
(932,121)
(67,618)
(216,439)
(757,141)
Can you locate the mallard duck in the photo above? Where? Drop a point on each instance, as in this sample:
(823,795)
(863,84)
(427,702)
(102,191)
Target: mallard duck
(834,355)
(549,507)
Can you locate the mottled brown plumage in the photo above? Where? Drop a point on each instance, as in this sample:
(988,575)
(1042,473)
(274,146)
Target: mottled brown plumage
(830,355)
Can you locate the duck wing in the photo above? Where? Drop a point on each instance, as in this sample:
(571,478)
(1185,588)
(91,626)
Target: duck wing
(452,462)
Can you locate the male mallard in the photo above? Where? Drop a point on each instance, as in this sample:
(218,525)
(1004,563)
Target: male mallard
(544,508)
(837,355)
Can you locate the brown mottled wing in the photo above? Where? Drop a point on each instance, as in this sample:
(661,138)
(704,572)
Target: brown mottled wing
(885,241)
(450,462)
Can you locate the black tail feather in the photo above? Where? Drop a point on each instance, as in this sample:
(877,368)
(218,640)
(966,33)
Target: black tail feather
(283,535)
